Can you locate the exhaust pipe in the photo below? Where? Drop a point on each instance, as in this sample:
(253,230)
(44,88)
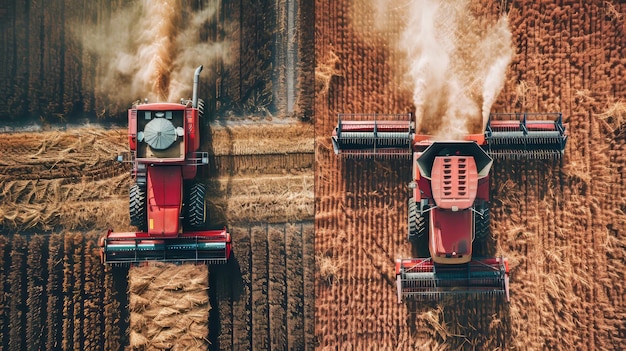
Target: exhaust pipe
(196,79)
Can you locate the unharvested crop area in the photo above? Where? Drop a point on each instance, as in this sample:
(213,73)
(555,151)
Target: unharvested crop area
(562,224)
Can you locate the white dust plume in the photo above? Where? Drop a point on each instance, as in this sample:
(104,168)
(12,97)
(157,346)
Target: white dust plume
(150,49)
(453,61)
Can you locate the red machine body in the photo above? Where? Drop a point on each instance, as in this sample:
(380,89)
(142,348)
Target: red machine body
(167,204)
(449,206)
(451,179)
(165,195)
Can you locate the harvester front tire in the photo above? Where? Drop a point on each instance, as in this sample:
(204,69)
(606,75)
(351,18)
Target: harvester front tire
(418,224)
(422,222)
(197,209)
(412,225)
(482,225)
(137,207)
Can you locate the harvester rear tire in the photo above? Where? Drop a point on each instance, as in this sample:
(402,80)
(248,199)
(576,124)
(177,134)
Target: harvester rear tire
(197,209)
(137,207)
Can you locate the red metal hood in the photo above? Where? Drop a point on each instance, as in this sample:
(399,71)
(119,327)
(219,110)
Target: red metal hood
(165,187)
(454,182)
(454,148)
(450,234)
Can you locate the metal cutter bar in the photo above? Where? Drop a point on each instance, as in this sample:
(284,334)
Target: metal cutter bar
(420,279)
(129,249)
(515,136)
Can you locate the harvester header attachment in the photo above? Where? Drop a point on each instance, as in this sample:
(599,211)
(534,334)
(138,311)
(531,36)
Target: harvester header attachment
(206,246)
(525,135)
(373,135)
(421,279)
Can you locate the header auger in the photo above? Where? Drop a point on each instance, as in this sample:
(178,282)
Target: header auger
(449,204)
(167,204)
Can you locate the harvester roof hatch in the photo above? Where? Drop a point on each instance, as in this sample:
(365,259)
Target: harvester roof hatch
(454,148)
(454,182)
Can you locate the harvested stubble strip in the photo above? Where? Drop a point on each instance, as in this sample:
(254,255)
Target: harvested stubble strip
(169,307)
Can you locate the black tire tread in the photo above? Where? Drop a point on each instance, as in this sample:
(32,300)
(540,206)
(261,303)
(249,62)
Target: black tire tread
(412,224)
(418,223)
(482,224)
(137,207)
(197,212)
(422,222)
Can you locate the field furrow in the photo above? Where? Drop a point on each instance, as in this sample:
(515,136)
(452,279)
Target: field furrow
(260,288)
(294,284)
(277,287)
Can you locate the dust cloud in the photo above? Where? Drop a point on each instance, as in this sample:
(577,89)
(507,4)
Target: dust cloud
(150,49)
(452,61)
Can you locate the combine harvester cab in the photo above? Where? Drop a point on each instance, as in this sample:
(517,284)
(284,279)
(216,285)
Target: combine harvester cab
(450,201)
(167,204)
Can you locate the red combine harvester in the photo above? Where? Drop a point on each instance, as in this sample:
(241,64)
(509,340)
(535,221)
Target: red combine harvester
(449,205)
(167,204)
